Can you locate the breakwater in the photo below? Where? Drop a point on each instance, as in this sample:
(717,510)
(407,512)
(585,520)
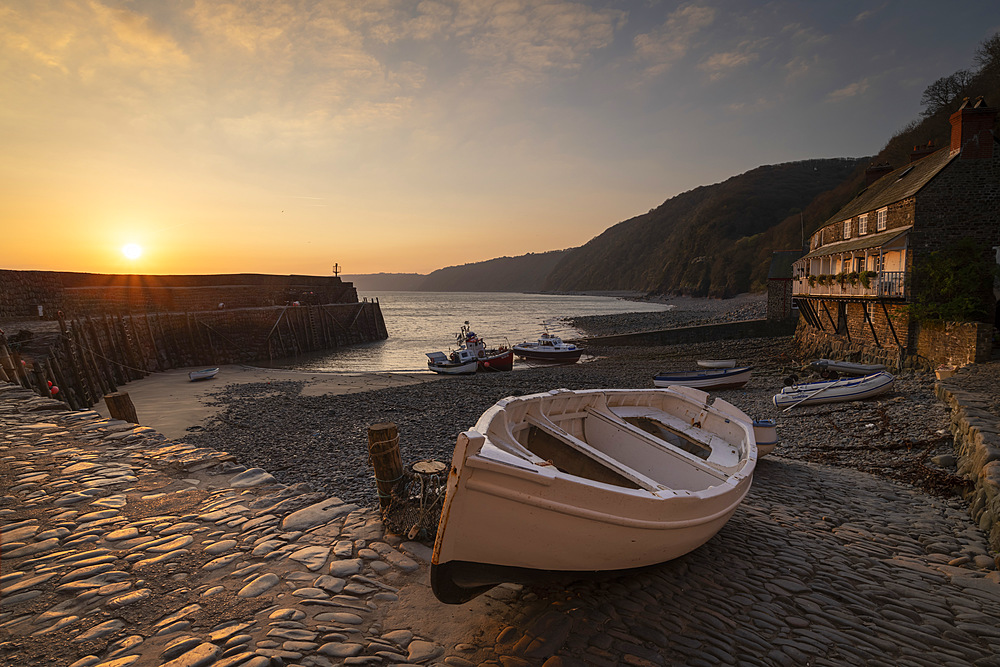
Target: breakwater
(90,356)
(698,334)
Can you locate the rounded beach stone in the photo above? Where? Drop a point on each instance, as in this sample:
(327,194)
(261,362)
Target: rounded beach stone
(259,585)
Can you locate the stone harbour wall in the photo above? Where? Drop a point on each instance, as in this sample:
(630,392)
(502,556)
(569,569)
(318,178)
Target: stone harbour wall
(22,293)
(977,444)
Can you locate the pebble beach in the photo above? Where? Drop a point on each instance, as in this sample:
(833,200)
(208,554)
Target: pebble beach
(254,540)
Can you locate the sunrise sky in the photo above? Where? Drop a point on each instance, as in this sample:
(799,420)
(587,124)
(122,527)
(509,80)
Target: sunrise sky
(403,136)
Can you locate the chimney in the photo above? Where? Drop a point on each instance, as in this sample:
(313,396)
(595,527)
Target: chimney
(920,152)
(876,171)
(972,130)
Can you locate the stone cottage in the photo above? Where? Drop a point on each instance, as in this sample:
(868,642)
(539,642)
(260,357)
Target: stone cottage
(854,283)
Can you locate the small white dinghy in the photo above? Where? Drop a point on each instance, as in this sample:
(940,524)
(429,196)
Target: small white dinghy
(832,391)
(578,482)
(203,374)
(705,378)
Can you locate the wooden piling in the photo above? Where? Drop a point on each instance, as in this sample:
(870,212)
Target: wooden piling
(120,406)
(383,453)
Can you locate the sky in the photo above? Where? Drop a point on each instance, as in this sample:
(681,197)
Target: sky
(403,136)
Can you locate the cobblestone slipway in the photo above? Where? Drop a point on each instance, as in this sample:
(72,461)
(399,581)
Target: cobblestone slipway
(121,547)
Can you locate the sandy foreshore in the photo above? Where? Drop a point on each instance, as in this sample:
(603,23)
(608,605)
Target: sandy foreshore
(174,405)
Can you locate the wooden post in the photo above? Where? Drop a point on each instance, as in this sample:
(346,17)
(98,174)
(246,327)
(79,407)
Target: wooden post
(41,384)
(383,452)
(120,406)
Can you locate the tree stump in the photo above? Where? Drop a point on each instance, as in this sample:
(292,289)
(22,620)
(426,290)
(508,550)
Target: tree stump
(120,406)
(383,452)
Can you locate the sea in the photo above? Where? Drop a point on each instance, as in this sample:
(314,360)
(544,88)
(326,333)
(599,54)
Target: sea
(422,322)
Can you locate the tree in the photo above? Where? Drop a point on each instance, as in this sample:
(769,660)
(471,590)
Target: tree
(988,53)
(954,284)
(945,91)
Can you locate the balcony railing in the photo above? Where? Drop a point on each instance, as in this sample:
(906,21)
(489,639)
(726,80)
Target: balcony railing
(887,284)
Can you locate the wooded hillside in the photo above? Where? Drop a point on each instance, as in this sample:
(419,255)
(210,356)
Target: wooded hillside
(710,241)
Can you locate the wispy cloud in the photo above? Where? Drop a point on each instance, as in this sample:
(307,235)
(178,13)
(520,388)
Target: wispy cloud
(849,91)
(660,49)
(719,65)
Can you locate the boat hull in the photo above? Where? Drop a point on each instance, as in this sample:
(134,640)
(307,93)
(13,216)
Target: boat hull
(845,367)
(532,354)
(499,361)
(729,378)
(544,521)
(204,374)
(833,391)
(466,368)
(716,363)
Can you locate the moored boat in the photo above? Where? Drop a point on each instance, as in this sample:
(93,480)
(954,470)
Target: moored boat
(579,482)
(203,374)
(549,348)
(705,378)
(489,358)
(831,391)
(845,367)
(459,362)
(716,363)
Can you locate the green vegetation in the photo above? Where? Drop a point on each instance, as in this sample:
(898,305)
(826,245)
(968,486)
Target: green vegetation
(954,284)
(714,240)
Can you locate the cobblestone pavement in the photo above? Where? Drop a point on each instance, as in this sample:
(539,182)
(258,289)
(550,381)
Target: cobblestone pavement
(121,547)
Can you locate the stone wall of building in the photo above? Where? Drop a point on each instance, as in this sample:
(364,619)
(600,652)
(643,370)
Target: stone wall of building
(955,343)
(779,298)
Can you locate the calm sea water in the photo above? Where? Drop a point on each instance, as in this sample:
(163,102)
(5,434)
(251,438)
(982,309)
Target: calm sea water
(421,322)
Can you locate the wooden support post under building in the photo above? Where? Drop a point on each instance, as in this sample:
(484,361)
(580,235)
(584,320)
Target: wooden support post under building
(383,452)
(120,406)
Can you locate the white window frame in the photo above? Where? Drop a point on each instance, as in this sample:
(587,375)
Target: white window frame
(863,224)
(847,229)
(880,222)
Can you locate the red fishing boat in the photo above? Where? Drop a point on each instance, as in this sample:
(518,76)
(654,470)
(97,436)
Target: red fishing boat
(490,358)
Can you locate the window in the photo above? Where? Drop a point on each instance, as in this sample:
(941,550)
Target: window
(847,229)
(880,220)
(863,224)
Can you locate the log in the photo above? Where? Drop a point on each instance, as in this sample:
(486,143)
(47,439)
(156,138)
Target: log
(120,406)
(383,453)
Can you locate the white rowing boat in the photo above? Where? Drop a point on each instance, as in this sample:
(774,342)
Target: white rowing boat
(705,378)
(831,391)
(577,482)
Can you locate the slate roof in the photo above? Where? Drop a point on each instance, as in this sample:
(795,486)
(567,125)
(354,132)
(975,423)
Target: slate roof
(895,186)
(867,241)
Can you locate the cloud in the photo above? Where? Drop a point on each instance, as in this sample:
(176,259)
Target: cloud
(849,91)
(661,48)
(720,64)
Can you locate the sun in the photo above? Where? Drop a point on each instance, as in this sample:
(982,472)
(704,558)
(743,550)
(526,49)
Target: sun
(132,250)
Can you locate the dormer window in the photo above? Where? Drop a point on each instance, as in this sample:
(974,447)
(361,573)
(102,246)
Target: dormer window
(863,224)
(847,229)
(880,219)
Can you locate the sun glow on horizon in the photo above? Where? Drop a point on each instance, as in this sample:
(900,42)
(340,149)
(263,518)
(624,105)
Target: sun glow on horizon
(132,250)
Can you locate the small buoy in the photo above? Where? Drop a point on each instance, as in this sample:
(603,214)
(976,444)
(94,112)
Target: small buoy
(50,384)
(54,390)
(486,363)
